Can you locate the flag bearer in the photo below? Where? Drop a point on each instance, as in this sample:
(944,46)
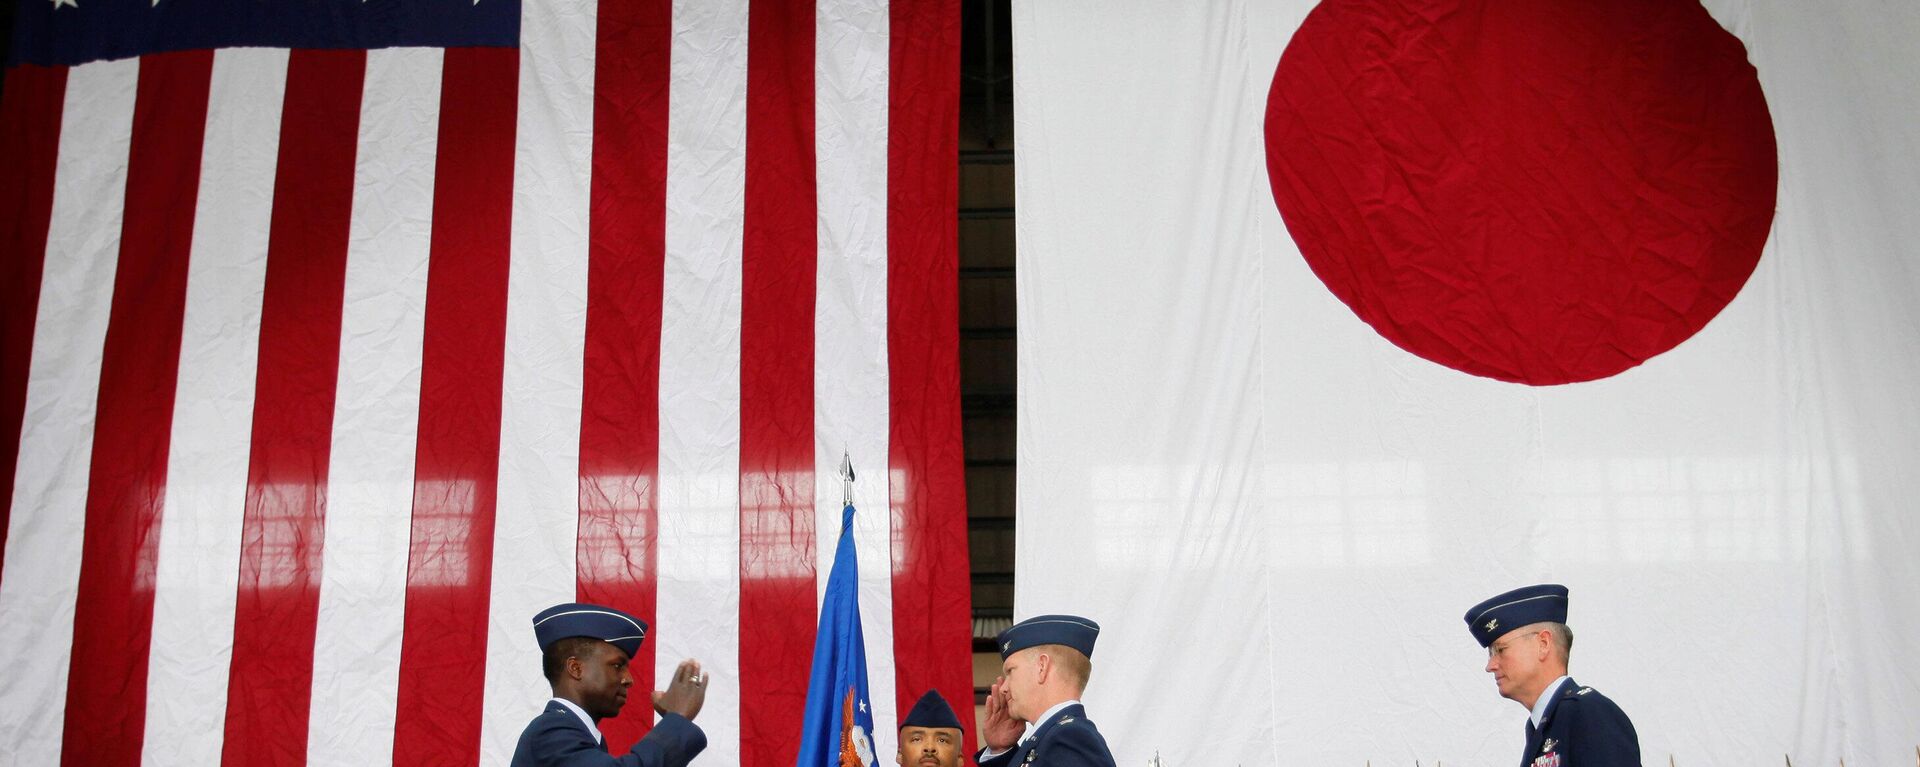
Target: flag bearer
(930,734)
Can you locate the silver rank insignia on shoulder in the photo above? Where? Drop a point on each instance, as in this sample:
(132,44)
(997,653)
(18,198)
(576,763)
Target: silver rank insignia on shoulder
(1547,746)
(1584,690)
(1066,720)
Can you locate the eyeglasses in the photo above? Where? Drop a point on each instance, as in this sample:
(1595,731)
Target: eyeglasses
(1505,642)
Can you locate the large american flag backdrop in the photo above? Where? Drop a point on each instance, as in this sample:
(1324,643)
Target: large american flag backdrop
(340,337)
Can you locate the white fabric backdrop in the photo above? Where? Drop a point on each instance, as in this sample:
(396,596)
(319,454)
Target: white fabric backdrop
(1279,517)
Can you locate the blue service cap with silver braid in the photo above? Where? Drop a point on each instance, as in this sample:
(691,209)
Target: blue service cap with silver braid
(1493,618)
(1070,630)
(580,619)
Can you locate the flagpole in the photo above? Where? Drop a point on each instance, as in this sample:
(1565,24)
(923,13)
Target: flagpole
(837,719)
(846,479)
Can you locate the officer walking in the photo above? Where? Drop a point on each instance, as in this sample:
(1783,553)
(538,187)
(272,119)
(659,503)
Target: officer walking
(1528,642)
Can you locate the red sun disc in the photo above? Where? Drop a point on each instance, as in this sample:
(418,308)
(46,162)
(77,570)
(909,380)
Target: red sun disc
(1542,192)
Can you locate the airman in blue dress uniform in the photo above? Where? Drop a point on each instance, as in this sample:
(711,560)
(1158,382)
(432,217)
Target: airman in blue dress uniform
(1045,662)
(585,649)
(1528,642)
(930,734)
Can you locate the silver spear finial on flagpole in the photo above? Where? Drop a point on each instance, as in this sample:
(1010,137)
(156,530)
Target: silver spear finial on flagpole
(846,478)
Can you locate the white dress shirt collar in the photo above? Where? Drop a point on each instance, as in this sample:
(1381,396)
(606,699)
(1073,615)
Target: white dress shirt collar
(584,719)
(1046,717)
(1546,698)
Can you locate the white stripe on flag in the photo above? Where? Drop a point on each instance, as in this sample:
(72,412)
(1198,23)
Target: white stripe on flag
(63,387)
(699,496)
(850,322)
(537,517)
(207,462)
(356,658)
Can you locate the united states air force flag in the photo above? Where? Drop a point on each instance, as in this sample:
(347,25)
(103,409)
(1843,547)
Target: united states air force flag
(839,717)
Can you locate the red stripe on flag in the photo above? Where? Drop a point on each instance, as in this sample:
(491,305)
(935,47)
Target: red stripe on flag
(279,588)
(126,484)
(620,398)
(777,600)
(932,614)
(30,109)
(449,565)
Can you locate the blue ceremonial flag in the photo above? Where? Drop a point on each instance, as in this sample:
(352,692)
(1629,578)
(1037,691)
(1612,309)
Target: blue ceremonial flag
(839,721)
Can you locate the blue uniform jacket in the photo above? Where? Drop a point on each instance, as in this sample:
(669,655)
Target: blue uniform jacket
(1068,739)
(557,738)
(1581,728)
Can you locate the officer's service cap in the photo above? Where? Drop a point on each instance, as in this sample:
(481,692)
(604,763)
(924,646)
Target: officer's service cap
(931,711)
(1493,618)
(579,619)
(1070,630)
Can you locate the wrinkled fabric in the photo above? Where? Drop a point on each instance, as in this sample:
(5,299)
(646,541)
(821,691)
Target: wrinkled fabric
(1277,515)
(330,364)
(1534,192)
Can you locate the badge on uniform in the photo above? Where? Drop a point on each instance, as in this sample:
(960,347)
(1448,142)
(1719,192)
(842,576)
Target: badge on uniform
(1548,759)
(1030,756)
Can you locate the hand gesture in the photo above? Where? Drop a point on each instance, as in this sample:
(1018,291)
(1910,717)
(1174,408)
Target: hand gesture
(1001,730)
(686,693)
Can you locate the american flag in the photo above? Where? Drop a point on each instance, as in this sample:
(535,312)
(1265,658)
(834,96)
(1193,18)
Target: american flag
(342,336)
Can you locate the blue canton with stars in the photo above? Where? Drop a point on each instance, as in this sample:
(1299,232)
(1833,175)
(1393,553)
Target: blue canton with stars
(67,32)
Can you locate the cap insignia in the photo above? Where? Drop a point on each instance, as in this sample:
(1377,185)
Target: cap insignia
(1493,623)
